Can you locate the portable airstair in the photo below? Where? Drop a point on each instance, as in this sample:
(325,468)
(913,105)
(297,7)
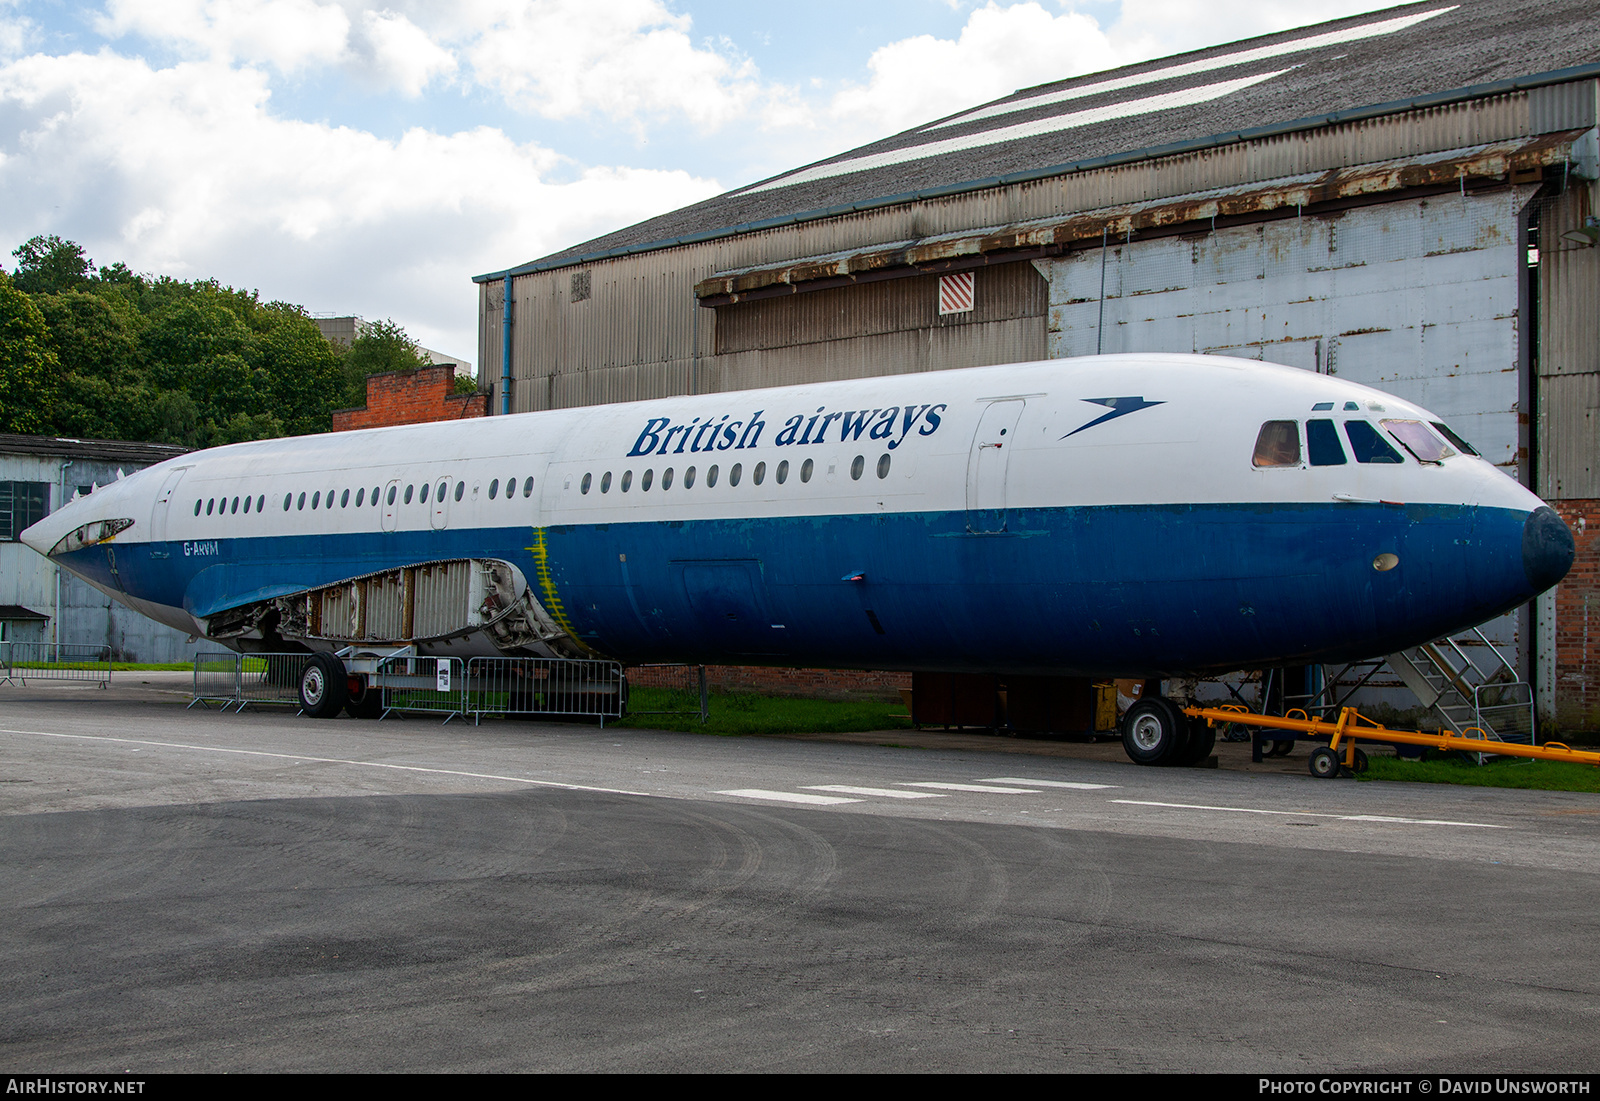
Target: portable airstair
(1467,682)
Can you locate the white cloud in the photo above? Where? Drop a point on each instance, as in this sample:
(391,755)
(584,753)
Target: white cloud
(624,59)
(398,53)
(184,171)
(290,35)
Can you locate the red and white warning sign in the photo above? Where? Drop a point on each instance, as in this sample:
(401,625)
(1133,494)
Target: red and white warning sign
(955,292)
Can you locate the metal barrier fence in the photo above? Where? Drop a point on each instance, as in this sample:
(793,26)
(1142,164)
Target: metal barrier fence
(238,680)
(21,662)
(422,684)
(668,690)
(437,685)
(518,687)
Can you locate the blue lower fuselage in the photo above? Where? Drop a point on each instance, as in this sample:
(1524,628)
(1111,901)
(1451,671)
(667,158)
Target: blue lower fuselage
(1106,590)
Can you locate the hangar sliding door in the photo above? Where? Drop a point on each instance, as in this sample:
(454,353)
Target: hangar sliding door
(1420,298)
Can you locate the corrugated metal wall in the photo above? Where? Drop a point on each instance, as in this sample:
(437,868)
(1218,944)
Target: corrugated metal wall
(637,332)
(1568,384)
(889,327)
(1418,298)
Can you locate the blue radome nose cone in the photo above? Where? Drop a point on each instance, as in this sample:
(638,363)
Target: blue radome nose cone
(1547,548)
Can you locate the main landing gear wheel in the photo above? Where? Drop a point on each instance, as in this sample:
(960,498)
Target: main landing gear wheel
(323,686)
(1324,763)
(1202,740)
(365,702)
(1155,732)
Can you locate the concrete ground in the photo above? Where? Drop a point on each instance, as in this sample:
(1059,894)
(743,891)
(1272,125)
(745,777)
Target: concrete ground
(189,890)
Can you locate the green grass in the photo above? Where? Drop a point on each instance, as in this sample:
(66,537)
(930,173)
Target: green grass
(752,714)
(1497,772)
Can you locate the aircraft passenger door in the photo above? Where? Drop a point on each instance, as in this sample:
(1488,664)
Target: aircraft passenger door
(441,502)
(986,466)
(158,512)
(391,514)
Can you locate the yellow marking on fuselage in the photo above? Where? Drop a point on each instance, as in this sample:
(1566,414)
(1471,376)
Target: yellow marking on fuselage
(547,588)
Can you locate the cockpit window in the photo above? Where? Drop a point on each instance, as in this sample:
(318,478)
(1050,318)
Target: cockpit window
(1461,444)
(1278,444)
(1368,445)
(1322,443)
(1415,438)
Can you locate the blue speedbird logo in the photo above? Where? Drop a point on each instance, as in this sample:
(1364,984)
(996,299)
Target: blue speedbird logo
(1120,407)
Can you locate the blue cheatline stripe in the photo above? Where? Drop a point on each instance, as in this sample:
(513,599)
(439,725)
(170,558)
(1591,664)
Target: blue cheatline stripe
(1092,590)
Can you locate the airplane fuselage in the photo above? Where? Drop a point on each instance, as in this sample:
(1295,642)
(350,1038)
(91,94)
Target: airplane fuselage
(1121,515)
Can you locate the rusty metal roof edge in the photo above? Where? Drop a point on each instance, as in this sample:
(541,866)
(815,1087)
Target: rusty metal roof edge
(1110,160)
(783,272)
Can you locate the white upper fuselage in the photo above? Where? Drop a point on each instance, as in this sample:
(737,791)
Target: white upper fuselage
(1195,446)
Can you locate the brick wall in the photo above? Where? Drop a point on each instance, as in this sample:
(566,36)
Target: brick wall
(1578,622)
(412,397)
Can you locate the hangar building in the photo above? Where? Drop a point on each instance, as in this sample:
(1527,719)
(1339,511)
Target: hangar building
(1405,198)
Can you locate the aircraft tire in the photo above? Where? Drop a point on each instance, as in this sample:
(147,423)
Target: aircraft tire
(1324,763)
(367,704)
(1202,740)
(1155,732)
(323,686)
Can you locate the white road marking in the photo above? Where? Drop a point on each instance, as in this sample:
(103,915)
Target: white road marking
(786,797)
(990,788)
(1047,783)
(886,793)
(1314,814)
(297,758)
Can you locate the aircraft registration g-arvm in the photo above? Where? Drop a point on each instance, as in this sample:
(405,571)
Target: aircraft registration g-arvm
(1148,516)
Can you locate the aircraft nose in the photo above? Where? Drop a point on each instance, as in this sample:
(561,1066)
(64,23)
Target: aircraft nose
(1547,548)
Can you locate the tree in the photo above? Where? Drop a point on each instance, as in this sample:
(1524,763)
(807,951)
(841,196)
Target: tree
(49,265)
(30,373)
(103,391)
(382,346)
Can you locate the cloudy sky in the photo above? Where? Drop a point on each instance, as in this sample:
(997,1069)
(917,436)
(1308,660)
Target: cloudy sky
(371,159)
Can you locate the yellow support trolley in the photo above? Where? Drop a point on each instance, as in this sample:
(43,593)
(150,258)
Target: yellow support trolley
(1342,756)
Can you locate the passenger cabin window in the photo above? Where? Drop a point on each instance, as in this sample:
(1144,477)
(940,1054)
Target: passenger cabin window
(527,486)
(1322,444)
(460,488)
(666,479)
(1415,438)
(1368,446)
(494,488)
(1278,444)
